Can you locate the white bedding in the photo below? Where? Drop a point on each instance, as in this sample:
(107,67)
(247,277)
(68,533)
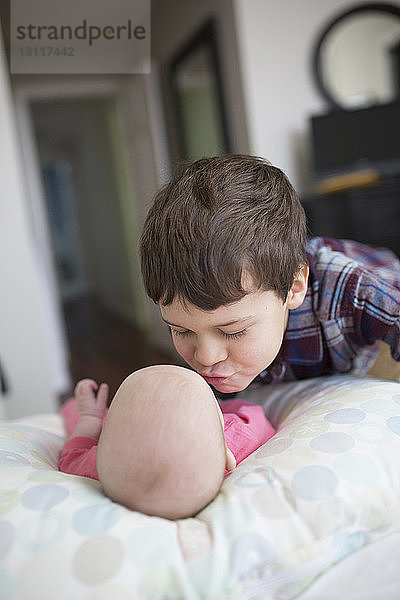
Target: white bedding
(372,573)
(314,514)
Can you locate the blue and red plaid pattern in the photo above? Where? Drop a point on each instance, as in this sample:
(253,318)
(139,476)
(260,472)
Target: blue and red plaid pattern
(352,301)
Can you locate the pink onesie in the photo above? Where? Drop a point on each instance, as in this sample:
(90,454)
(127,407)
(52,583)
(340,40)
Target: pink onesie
(246,428)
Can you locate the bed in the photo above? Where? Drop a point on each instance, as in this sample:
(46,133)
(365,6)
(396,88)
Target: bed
(313,514)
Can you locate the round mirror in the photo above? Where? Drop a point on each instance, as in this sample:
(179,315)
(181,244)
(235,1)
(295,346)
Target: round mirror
(357,57)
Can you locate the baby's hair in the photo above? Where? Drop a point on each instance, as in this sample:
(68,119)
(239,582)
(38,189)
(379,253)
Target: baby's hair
(219,219)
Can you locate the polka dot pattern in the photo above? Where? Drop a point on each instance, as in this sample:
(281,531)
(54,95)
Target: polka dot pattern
(46,571)
(345,416)
(381,407)
(372,433)
(44,496)
(47,476)
(358,469)
(9,499)
(309,429)
(260,477)
(12,459)
(96,519)
(97,559)
(332,442)
(322,488)
(274,446)
(394,424)
(40,531)
(274,506)
(314,483)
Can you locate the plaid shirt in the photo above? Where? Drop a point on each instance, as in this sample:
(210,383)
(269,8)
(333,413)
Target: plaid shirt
(353,300)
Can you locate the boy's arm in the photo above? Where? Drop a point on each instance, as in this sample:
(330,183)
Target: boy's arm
(376,310)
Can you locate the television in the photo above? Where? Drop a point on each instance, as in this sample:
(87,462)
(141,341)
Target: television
(349,141)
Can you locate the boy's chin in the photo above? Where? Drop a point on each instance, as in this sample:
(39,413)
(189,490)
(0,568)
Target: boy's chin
(230,387)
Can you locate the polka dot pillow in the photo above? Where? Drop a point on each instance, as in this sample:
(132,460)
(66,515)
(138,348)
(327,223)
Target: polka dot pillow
(325,486)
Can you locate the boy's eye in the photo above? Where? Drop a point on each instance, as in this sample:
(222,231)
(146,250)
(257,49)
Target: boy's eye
(227,336)
(234,336)
(179,333)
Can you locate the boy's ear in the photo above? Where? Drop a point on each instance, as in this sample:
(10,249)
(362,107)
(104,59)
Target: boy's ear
(299,288)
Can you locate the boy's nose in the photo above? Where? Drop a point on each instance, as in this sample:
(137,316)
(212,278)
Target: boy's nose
(208,354)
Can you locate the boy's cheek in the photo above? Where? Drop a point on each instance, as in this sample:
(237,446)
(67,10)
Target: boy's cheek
(260,354)
(177,343)
(183,349)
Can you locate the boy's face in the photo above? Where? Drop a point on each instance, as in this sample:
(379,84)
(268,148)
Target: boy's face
(231,345)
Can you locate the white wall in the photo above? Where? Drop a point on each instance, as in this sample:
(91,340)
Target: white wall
(276,39)
(24,349)
(174,22)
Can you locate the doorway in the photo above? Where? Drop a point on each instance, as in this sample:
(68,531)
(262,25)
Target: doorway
(89,207)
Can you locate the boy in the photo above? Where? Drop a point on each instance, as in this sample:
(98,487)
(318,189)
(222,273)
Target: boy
(165,445)
(247,298)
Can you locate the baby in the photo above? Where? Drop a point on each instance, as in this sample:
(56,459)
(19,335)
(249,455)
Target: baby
(165,445)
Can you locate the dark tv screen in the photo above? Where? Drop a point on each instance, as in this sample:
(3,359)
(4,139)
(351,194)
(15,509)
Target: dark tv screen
(346,141)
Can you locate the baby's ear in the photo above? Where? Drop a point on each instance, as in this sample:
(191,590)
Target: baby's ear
(230,460)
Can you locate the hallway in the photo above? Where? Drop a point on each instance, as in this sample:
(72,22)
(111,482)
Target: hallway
(104,346)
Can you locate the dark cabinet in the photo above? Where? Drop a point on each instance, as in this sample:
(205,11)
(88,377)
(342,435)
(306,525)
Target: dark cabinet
(368,214)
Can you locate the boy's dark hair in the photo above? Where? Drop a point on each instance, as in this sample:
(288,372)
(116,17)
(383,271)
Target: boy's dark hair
(218,218)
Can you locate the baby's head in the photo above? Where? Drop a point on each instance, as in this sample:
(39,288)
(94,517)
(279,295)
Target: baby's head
(162,450)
